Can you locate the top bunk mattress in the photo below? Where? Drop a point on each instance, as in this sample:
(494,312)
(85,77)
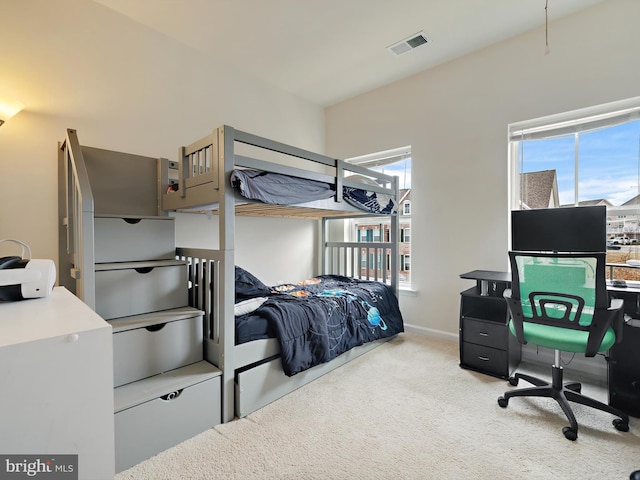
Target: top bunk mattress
(278,189)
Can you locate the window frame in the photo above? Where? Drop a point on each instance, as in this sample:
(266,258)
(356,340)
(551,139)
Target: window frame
(575,121)
(373,161)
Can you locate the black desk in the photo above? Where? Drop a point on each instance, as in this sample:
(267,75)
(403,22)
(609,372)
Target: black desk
(487,346)
(489,282)
(624,357)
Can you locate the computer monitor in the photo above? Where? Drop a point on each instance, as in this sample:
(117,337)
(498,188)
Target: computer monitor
(565,229)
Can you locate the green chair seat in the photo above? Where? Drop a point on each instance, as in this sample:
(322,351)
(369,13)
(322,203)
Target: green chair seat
(564,339)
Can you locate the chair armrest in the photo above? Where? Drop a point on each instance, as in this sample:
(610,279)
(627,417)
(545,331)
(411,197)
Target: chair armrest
(515,310)
(602,320)
(617,304)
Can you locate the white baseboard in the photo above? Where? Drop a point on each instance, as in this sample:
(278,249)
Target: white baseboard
(430,332)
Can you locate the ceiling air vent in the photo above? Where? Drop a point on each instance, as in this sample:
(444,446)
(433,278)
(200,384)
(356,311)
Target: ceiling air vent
(408,44)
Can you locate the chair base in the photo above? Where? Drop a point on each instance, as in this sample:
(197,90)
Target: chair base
(563,394)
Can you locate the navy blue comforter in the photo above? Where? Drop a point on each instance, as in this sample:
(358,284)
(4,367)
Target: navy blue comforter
(321,318)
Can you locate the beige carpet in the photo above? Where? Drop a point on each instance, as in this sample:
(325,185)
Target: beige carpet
(404,411)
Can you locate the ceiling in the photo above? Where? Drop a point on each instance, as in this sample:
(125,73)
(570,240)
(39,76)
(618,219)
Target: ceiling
(329,50)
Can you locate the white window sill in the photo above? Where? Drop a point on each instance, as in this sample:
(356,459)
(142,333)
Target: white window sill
(408,292)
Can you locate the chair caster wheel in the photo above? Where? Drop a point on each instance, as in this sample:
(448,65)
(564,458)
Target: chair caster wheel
(570,433)
(503,402)
(513,381)
(621,425)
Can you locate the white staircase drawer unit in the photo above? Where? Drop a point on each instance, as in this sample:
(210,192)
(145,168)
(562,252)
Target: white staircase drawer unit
(148,428)
(155,348)
(124,289)
(129,239)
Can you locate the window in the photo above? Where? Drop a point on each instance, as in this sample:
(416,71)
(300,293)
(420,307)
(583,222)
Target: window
(585,157)
(405,261)
(391,162)
(371,233)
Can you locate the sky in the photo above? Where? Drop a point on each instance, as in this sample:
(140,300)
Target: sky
(402,169)
(609,163)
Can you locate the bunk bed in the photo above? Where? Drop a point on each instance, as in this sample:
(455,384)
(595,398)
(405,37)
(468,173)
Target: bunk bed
(230,173)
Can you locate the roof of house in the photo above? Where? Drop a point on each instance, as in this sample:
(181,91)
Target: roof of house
(590,203)
(538,188)
(634,201)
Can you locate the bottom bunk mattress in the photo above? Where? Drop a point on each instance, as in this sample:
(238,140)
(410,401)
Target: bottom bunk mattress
(317,319)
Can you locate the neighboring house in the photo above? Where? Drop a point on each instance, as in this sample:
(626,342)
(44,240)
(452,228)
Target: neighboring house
(591,203)
(617,223)
(405,234)
(539,189)
(634,201)
(377,230)
(623,220)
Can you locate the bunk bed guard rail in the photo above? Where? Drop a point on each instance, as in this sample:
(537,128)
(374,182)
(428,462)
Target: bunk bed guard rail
(76,215)
(200,163)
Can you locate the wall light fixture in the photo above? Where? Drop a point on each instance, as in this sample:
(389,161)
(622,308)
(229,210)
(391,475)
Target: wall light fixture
(8,108)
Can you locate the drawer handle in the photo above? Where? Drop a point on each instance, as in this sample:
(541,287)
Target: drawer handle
(143,270)
(483,334)
(132,221)
(171,396)
(484,359)
(155,328)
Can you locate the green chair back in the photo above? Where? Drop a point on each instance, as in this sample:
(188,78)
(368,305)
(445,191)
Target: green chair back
(557,294)
(555,288)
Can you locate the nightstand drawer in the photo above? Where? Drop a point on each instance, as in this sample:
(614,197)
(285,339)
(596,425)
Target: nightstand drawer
(490,334)
(486,359)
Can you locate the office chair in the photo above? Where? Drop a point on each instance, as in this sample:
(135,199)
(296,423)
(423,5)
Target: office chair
(560,301)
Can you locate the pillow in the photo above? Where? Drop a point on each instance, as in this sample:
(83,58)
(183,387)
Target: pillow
(363,179)
(248,306)
(248,286)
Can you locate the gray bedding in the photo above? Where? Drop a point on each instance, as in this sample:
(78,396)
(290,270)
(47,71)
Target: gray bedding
(278,189)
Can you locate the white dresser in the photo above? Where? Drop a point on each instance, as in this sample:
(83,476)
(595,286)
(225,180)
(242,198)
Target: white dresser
(56,378)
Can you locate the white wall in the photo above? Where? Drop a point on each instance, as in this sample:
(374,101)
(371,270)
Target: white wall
(124,87)
(260,244)
(455,118)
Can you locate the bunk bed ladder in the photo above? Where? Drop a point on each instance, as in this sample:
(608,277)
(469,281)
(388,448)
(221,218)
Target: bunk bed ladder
(117,253)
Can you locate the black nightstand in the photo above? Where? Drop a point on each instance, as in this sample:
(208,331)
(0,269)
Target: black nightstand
(485,342)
